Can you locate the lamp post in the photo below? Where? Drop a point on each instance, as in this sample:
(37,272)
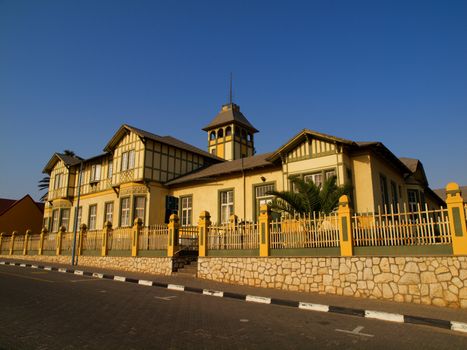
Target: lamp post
(75,224)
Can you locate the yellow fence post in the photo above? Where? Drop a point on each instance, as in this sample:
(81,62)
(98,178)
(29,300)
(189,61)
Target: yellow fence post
(264,229)
(41,241)
(137,225)
(345,226)
(12,242)
(105,237)
(59,240)
(173,235)
(26,241)
(457,223)
(203,227)
(82,231)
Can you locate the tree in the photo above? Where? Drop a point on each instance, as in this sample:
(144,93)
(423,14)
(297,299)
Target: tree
(45,181)
(309,197)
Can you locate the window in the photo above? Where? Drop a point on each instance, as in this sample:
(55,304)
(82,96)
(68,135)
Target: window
(140,206)
(329,173)
(110,169)
(395,197)
(95,172)
(92,217)
(220,133)
(131,159)
(125,212)
(212,135)
(226,205)
(186,210)
(384,190)
(55,222)
(46,223)
(58,181)
(213,151)
(413,200)
(108,212)
(124,161)
(65,218)
(228,131)
(261,196)
(317,179)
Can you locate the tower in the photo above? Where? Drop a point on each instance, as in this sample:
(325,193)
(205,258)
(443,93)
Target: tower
(230,134)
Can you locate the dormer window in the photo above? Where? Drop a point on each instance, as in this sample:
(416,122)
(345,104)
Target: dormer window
(95,172)
(58,181)
(128,160)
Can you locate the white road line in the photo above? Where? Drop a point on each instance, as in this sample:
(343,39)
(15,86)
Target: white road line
(176,287)
(313,307)
(256,299)
(145,283)
(98,275)
(356,331)
(166,298)
(213,293)
(459,326)
(385,316)
(119,278)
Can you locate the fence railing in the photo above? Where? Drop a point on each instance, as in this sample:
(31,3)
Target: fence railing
(6,242)
(306,231)
(92,240)
(34,244)
(233,236)
(398,228)
(49,244)
(188,237)
(153,237)
(119,239)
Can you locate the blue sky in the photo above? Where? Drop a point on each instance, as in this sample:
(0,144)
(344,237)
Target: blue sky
(71,72)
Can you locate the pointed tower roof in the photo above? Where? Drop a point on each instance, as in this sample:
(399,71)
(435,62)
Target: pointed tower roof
(230,113)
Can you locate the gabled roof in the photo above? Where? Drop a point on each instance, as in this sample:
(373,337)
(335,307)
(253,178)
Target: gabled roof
(213,171)
(229,114)
(302,135)
(167,140)
(8,204)
(68,160)
(416,167)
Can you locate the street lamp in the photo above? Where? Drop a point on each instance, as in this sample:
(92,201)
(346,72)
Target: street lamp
(75,224)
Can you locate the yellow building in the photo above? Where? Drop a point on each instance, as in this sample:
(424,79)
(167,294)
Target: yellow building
(141,174)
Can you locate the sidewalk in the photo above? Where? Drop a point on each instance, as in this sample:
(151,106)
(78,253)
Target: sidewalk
(417,310)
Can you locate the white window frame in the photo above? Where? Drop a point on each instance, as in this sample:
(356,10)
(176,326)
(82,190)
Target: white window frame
(109,214)
(186,210)
(124,161)
(65,220)
(226,205)
(96,172)
(139,211)
(110,169)
(55,220)
(92,217)
(314,178)
(57,181)
(125,212)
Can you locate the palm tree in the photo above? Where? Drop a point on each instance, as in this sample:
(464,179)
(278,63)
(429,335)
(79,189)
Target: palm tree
(45,181)
(309,197)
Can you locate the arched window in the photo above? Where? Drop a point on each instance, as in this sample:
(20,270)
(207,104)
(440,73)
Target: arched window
(228,131)
(220,133)
(212,135)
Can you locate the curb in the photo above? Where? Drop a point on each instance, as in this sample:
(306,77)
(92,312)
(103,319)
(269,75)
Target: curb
(379,315)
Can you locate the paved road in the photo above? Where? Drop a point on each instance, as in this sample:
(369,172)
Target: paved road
(50,310)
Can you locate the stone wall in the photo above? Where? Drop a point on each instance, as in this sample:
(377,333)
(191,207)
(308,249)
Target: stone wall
(157,266)
(440,281)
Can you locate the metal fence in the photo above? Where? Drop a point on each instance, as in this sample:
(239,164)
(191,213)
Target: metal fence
(33,244)
(154,237)
(119,239)
(49,244)
(305,231)
(188,237)
(6,241)
(92,240)
(396,228)
(233,236)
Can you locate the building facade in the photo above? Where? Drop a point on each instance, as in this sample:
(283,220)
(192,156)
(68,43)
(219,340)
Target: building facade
(147,176)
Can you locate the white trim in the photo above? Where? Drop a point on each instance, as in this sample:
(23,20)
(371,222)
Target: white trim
(385,316)
(176,287)
(145,283)
(313,307)
(256,299)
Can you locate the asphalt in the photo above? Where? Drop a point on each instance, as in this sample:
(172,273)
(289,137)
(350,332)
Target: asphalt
(408,309)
